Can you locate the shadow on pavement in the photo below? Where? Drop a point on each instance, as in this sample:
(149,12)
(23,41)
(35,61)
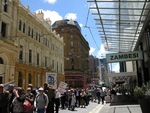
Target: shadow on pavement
(127,101)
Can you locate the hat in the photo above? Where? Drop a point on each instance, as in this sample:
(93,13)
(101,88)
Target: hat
(1,85)
(30,85)
(41,89)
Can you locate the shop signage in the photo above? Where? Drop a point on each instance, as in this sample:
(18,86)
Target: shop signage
(127,56)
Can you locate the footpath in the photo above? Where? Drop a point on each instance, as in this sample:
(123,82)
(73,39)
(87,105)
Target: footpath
(121,107)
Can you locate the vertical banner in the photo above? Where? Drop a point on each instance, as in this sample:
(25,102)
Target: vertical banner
(51,79)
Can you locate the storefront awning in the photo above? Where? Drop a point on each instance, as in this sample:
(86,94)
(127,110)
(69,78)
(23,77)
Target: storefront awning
(120,22)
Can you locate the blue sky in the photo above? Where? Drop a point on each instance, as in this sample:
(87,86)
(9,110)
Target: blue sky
(75,10)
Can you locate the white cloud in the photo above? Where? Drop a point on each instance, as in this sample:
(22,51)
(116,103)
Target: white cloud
(102,53)
(81,25)
(115,67)
(53,15)
(72,16)
(50,1)
(92,50)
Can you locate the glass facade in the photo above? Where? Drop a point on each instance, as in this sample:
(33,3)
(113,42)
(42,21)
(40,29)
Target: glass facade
(120,22)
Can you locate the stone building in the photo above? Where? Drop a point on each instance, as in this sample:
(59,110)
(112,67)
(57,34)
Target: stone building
(76,52)
(30,48)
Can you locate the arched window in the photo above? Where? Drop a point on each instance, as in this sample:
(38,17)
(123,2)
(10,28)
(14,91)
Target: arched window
(1,61)
(20,25)
(20,79)
(29,79)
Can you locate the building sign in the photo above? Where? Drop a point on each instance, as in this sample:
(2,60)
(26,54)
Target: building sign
(51,79)
(127,56)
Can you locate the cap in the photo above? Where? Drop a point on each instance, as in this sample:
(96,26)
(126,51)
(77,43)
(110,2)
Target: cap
(40,89)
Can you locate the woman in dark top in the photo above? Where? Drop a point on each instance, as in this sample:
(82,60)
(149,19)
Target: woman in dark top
(18,100)
(30,97)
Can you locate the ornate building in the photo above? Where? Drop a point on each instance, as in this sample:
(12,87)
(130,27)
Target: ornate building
(29,47)
(76,52)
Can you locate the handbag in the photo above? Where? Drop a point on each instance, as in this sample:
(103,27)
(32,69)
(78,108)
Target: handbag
(27,106)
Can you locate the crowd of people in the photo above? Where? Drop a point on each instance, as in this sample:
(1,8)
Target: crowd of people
(47,99)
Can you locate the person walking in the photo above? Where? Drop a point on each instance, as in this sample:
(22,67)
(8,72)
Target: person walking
(113,95)
(4,99)
(77,94)
(102,95)
(18,100)
(63,100)
(51,96)
(11,97)
(98,94)
(30,97)
(57,100)
(41,101)
(73,101)
(82,100)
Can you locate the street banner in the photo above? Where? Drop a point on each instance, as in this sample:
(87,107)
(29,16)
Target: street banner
(62,86)
(51,79)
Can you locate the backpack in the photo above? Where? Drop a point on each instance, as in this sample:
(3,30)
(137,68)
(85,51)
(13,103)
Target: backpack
(26,106)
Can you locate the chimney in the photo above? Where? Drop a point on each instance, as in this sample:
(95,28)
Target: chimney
(40,15)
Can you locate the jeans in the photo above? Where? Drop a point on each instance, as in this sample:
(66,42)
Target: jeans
(41,110)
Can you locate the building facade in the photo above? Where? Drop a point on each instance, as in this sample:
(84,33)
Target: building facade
(76,52)
(37,48)
(95,70)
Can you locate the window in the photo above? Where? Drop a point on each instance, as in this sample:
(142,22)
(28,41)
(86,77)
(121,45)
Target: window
(72,67)
(20,80)
(36,35)
(147,36)
(1,61)
(29,31)
(30,56)
(21,53)
(38,58)
(29,79)
(39,38)
(45,61)
(57,66)
(72,59)
(71,44)
(71,37)
(24,27)
(3,29)
(72,51)
(44,41)
(61,67)
(20,25)
(32,33)
(5,6)
(53,64)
